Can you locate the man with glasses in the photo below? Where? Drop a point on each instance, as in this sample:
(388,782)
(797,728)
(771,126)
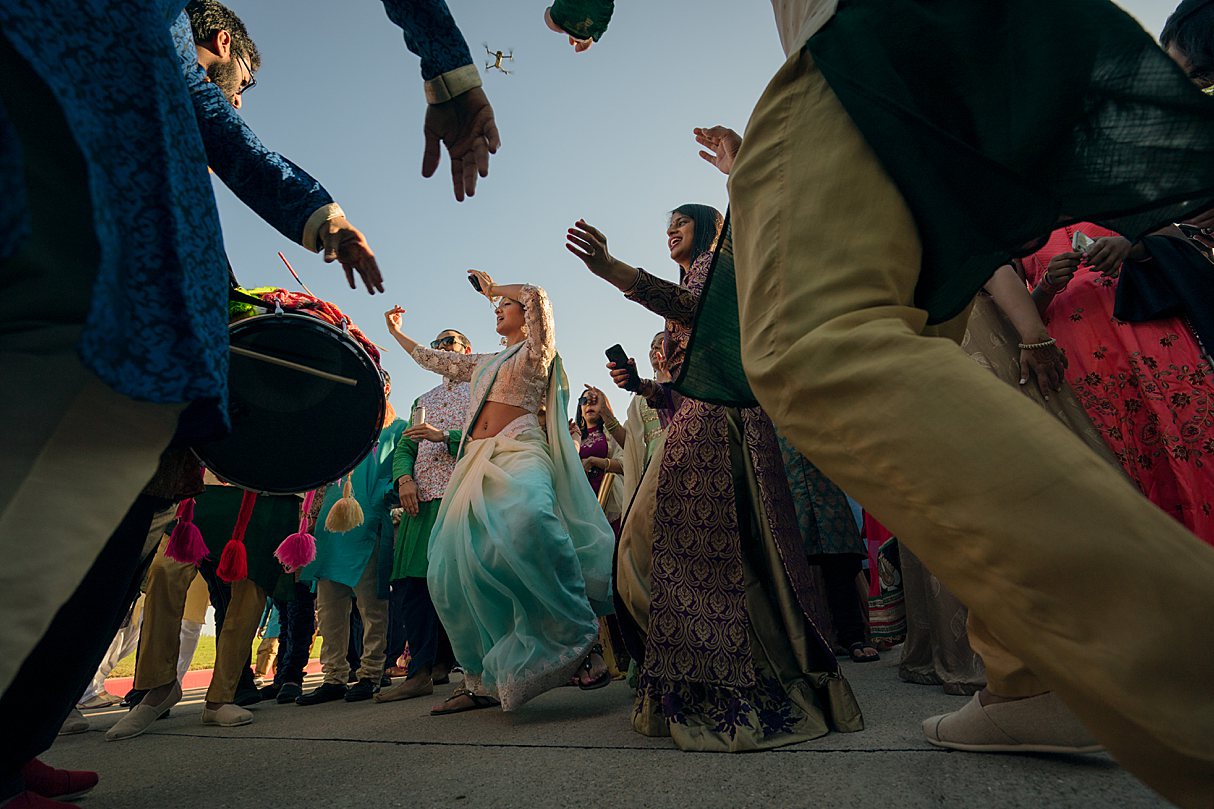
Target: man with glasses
(280,192)
(425,459)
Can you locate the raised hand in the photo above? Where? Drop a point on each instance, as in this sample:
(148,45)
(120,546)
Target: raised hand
(465,125)
(345,244)
(720,144)
(599,398)
(394,318)
(485,280)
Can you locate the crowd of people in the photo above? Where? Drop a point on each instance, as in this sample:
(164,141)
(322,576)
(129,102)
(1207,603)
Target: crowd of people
(1001,390)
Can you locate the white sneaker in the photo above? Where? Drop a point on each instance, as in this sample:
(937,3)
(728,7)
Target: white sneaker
(227,716)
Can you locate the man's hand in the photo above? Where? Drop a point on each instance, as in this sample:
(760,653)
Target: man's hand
(465,125)
(407,489)
(579,45)
(722,145)
(344,243)
(427,432)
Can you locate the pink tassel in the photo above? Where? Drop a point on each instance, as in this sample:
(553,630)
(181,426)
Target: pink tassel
(299,549)
(186,544)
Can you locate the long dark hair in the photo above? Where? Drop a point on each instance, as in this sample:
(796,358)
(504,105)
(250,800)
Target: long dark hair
(707,221)
(1190,29)
(579,419)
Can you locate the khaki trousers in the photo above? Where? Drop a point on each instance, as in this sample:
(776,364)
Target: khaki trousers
(1076,583)
(333,617)
(160,636)
(267,651)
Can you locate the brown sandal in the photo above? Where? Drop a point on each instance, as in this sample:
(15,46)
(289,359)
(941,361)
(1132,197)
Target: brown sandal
(603,680)
(478,701)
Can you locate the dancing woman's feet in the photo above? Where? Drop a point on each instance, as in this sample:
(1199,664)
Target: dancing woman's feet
(593,672)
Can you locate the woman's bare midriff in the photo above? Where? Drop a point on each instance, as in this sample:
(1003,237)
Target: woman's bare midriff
(494,417)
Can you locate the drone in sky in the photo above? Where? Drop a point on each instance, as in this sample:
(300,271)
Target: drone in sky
(497,58)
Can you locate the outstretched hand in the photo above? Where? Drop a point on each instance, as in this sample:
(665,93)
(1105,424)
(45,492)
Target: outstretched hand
(590,245)
(721,144)
(345,244)
(465,125)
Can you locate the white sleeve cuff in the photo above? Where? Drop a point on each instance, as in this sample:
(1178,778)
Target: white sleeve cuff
(311,231)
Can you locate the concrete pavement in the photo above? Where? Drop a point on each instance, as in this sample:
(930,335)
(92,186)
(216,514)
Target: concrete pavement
(567,748)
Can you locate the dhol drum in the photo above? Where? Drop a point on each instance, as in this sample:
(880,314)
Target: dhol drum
(306,403)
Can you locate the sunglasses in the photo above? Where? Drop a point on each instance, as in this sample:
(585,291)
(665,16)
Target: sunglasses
(444,342)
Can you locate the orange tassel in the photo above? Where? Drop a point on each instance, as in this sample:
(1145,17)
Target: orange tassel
(346,514)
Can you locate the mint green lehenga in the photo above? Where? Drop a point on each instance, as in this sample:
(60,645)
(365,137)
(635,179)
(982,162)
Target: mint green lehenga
(521,554)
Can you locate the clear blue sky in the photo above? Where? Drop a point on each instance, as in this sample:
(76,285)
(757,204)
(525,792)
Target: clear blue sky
(604,135)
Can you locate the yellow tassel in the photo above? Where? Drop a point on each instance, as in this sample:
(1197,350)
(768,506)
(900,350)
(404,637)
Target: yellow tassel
(346,514)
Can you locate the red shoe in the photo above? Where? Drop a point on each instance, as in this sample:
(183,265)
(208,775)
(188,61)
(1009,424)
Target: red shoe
(32,800)
(50,782)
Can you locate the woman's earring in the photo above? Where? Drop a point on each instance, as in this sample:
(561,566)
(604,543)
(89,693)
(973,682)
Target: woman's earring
(503,341)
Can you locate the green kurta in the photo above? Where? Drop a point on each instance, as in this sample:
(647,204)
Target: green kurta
(275,517)
(413,533)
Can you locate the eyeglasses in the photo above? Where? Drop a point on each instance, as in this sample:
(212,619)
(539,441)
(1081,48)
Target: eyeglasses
(443,342)
(252,79)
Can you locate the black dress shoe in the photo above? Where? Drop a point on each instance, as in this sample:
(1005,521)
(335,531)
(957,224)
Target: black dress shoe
(325,692)
(385,681)
(353,676)
(363,689)
(269,691)
(132,698)
(288,692)
(247,696)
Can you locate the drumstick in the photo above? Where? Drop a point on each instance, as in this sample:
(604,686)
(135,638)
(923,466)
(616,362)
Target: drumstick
(291,270)
(295,366)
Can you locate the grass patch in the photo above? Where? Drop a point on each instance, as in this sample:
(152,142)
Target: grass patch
(204,658)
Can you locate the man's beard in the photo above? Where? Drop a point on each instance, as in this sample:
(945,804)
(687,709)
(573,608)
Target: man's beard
(226,76)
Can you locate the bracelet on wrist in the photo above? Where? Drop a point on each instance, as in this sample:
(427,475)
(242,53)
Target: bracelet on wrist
(1046,343)
(612,425)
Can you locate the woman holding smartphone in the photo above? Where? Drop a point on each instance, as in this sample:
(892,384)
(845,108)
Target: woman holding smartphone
(733,661)
(520,554)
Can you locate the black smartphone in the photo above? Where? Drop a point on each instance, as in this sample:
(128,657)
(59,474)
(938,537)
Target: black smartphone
(619,357)
(476,282)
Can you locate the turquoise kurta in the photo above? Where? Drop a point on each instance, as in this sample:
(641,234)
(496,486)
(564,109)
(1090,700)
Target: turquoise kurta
(342,558)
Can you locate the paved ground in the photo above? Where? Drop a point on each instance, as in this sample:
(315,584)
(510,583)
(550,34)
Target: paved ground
(567,749)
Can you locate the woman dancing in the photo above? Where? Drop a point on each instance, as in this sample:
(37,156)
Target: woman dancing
(520,554)
(732,660)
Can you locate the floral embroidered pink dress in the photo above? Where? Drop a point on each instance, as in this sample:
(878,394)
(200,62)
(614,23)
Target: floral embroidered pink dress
(1146,387)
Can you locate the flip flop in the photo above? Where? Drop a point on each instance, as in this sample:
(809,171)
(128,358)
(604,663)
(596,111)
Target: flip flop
(478,701)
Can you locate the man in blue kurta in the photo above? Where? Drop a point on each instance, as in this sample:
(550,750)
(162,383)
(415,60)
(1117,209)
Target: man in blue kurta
(355,565)
(113,287)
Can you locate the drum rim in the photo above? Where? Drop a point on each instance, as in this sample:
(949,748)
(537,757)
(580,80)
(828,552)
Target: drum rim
(345,340)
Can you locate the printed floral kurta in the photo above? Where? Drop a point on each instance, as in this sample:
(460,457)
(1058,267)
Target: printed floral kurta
(1146,387)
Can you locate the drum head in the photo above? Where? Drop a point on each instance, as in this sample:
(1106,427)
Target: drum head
(306,402)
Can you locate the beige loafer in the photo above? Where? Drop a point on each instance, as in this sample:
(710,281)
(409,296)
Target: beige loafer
(142,717)
(227,716)
(405,690)
(1041,724)
(75,723)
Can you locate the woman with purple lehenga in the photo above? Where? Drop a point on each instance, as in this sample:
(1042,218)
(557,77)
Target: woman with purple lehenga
(733,661)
